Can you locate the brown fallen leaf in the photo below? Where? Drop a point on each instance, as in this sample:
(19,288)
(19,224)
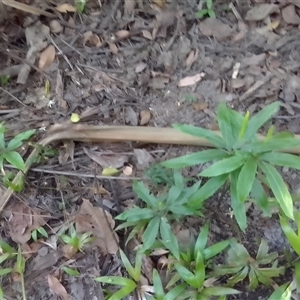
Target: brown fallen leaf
(192,57)
(130,116)
(164,19)
(289,15)
(92,39)
(190,80)
(216,28)
(129,6)
(122,34)
(147,34)
(143,158)
(140,67)
(105,161)
(113,48)
(145,116)
(254,59)
(160,3)
(55,26)
(100,223)
(65,8)
(23,220)
(260,12)
(199,106)
(57,288)
(47,57)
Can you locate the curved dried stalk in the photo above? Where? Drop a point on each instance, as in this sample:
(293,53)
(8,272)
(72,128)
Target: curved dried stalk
(98,134)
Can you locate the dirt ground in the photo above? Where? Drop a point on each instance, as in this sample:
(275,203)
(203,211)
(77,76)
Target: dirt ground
(126,64)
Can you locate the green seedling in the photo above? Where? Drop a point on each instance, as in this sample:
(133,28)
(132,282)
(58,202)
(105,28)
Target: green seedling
(128,284)
(8,153)
(71,272)
(193,269)
(284,292)
(243,160)
(208,11)
(76,240)
(4,80)
(155,217)
(242,265)
(80,5)
(160,175)
(20,269)
(39,231)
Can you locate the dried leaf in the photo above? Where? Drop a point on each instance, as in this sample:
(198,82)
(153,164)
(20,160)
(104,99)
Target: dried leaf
(47,57)
(122,34)
(130,116)
(105,161)
(140,67)
(147,34)
(129,6)
(22,221)
(190,80)
(92,39)
(254,59)
(216,28)
(145,116)
(199,106)
(65,8)
(143,158)
(290,16)
(57,288)
(100,223)
(164,19)
(160,3)
(55,26)
(192,57)
(260,12)
(113,48)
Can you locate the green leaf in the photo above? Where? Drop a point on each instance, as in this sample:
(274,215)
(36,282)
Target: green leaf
(230,123)
(199,269)
(5,271)
(282,159)
(4,257)
(158,287)
(175,292)
(253,279)
(201,13)
(71,272)
(206,191)
(16,142)
(125,291)
(261,198)
(151,232)
(174,193)
(136,214)
(246,178)
(279,189)
(219,291)
(274,144)
(202,133)
(202,239)
(240,276)
(215,249)
(223,166)
(43,232)
(195,158)
(244,125)
(6,248)
(284,292)
(260,119)
(290,234)
(15,159)
(211,13)
(144,194)
(168,237)
(187,276)
(238,207)
(182,210)
(262,250)
(2,141)
(135,274)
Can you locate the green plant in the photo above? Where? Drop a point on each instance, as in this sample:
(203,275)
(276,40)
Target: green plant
(244,160)
(194,269)
(4,80)
(8,153)
(80,5)
(155,218)
(71,272)
(208,11)
(160,175)
(128,284)
(41,231)
(76,240)
(240,263)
